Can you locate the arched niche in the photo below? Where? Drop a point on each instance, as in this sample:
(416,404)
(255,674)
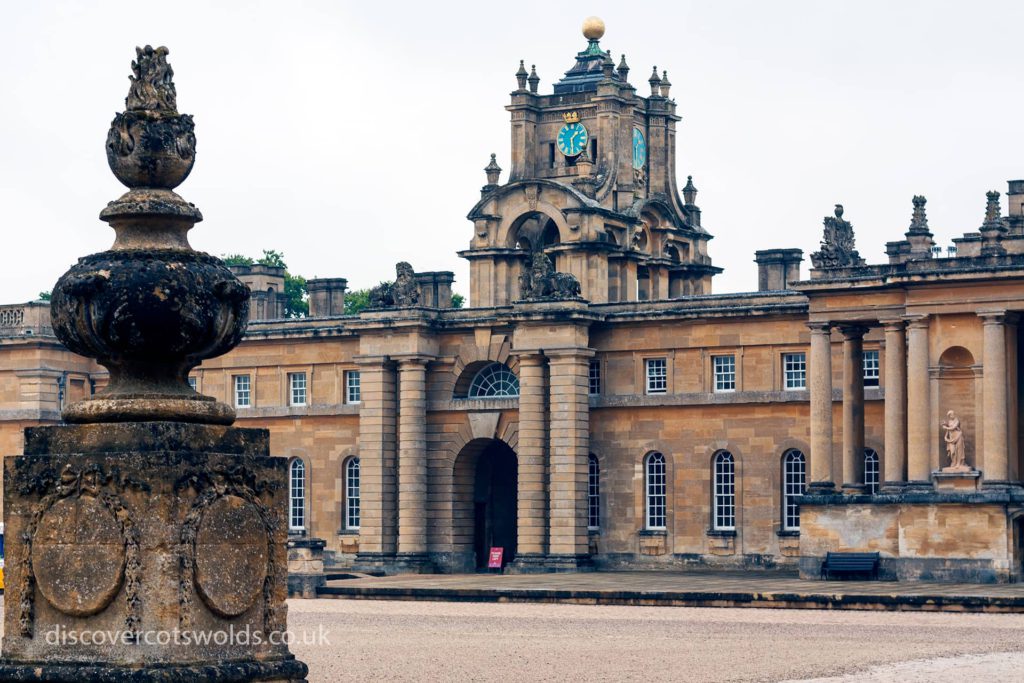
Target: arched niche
(960,391)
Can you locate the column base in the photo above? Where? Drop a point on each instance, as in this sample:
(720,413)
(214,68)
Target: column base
(853,489)
(537,564)
(822,488)
(527,563)
(282,671)
(1001,484)
(412,563)
(918,484)
(892,486)
(371,562)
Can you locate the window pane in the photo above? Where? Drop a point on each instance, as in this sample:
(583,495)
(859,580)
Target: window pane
(794,483)
(243,397)
(297,383)
(871,368)
(593,493)
(657,375)
(353,393)
(725,491)
(595,377)
(725,373)
(494,381)
(794,367)
(871,471)
(352,494)
(656,493)
(297,496)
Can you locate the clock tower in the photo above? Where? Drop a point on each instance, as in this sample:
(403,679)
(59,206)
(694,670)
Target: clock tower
(593,185)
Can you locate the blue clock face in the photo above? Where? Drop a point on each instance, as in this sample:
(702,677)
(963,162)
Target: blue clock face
(572,138)
(639,149)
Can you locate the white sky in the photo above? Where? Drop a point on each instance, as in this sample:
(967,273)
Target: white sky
(353,135)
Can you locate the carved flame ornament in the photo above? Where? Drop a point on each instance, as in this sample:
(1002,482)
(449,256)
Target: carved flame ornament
(150,309)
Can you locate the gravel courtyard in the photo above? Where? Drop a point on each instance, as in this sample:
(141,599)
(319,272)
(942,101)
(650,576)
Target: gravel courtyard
(441,641)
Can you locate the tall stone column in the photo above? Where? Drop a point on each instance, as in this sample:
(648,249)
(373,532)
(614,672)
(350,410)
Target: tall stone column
(412,461)
(895,404)
(570,445)
(920,431)
(994,444)
(853,407)
(531,455)
(822,480)
(377,423)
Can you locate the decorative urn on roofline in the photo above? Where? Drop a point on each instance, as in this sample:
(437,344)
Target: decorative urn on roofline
(151,308)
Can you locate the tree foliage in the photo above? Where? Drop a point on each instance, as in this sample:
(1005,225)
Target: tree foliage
(296,296)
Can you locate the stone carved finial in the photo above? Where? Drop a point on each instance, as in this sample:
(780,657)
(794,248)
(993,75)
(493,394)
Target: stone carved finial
(541,281)
(689,192)
(152,83)
(623,69)
(404,292)
(655,81)
(665,84)
(521,75)
(492,170)
(534,78)
(837,244)
(608,66)
(919,221)
(992,229)
(955,444)
(150,309)
(993,211)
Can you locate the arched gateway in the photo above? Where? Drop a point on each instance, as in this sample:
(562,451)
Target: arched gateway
(485,495)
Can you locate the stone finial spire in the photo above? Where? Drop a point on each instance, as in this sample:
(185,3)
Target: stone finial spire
(150,309)
(919,237)
(655,82)
(534,78)
(492,170)
(623,69)
(665,85)
(593,31)
(521,75)
(919,221)
(608,66)
(690,192)
(992,229)
(837,244)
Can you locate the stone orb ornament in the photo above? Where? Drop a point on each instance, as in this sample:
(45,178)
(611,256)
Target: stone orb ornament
(151,308)
(593,28)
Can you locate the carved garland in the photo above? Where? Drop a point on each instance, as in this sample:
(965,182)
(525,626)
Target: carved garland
(227,481)
(72,483)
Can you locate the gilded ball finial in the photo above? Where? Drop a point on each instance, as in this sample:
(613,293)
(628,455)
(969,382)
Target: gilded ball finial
(593,28)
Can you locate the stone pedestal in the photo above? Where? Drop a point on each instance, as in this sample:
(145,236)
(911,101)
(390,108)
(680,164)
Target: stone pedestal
(147,551)
(956,480)
(305,566)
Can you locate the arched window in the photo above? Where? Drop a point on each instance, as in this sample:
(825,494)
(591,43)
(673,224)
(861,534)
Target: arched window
(352,494)
(871,471)
(725,492)
(593,493)
(493,381)
(655,494)
(794,482)
(297,495)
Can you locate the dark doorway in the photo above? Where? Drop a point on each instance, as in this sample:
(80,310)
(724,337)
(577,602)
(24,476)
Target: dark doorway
(494,503)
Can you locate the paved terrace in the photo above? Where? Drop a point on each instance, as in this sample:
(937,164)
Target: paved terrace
(719,589)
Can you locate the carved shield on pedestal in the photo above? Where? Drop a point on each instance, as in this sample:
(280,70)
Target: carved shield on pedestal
(231,556)
(78,556)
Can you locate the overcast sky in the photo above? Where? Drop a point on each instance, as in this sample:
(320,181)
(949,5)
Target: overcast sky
(353,135)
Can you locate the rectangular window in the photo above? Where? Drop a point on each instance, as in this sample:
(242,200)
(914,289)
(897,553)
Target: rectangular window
(871,368)
(192,383)
(657,494)
(657,375)
(551,154)
(352,393)
(725,373)
(594,377)
(593,494)
(297,388)
(243,396)
(794,366)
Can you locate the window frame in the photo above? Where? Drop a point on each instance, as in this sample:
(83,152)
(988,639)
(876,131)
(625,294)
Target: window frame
(296,494)
(715,374)
(594,377)
(292,389)
(237,390)
(593,493)
(871,456)
(353,503)
(497,377)
(872,370)
(791,509)
(651,380)
(723,493)
(655,492)
(353,388)
(801,371)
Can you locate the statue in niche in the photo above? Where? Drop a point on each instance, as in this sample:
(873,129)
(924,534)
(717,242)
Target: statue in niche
(955,449)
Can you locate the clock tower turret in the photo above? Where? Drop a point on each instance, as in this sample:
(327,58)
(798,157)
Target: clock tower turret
(592,184)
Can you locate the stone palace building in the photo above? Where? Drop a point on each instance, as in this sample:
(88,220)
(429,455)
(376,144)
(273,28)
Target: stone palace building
(598,406)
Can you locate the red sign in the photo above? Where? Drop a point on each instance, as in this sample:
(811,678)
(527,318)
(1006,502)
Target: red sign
(494,559)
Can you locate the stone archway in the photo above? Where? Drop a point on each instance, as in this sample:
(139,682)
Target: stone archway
(484,503)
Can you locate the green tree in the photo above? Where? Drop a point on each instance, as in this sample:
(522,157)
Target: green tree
(236,260)
(296,295)
(356,301)
(458,301)
(44,296)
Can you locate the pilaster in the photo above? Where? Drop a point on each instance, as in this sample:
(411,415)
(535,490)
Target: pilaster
(377,441)
(532,505)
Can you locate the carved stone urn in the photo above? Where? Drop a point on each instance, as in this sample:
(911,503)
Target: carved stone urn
(150,309)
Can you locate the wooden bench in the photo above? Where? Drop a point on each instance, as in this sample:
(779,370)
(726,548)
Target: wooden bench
(850,563)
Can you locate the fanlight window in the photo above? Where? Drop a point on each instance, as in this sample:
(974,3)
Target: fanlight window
(494,380)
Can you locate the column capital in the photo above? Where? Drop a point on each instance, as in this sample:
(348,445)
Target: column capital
(917,322)
(853,331)
(562,355)
(532,357)
(995,317)
(408,360)
(893,324)
(373,361)
(819,327)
